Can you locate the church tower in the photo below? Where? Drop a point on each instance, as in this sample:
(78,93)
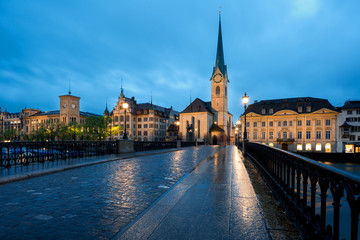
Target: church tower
(219,85)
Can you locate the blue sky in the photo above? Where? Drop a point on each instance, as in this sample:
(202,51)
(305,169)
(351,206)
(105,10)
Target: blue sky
(273,49)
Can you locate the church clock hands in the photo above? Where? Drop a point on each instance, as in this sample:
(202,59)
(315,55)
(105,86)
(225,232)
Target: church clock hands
(218,77)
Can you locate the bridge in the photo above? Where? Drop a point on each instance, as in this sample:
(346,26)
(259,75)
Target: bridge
(194,192)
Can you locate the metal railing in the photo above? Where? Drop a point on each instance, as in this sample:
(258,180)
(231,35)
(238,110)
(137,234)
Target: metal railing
(17,153)
(315,195)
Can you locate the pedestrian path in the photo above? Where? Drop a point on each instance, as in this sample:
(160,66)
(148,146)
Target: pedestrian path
(21,172)
(215,201)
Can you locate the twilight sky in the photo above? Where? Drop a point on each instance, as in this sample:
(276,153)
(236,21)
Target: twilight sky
(273,49)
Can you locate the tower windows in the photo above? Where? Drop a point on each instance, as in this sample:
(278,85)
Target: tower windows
(217,90)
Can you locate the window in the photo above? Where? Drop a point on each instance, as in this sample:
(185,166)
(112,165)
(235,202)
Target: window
(327,122)
(145,119)
(299,147)
(308,147)
(263,124)
(198,129)
(349,148)
(328,147)
(279,135)
(255,135)
(271,135)
(121,118)
(285,123)
(271,144)
(151,119)
(127,118)
(290,123)
(318,122)
(145,133)
(308,123)
(349,112)
(308,134)
(327,135)
(271,124)
(262,135)
(318,134)
(299,123)
(318,147)
(217,90)
(255,124)
(151,125)
(247,124)
(290,135)
(308,108)
(139,133)
(300,109)
(271,111)
(145,126)
(279,123)
(263,111)
(284,135)
(299,135)
(139,125)
(357,111)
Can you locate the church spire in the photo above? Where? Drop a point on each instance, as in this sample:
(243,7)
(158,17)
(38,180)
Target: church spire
(220,63)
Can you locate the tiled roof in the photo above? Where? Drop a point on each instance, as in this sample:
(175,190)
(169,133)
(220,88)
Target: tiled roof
(351,105)
(216,128)
(198,105)
(46,113)
(289,104)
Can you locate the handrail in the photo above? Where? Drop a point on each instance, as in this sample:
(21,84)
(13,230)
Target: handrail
(299,181)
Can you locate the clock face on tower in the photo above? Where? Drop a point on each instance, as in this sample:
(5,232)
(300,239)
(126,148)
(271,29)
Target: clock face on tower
(218,77)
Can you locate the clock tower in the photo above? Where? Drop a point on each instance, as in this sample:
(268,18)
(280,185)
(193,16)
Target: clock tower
(69,108)
(219,85)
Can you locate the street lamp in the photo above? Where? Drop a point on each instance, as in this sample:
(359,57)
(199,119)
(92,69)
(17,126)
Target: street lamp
(125,106)
(237,140)
(245,101)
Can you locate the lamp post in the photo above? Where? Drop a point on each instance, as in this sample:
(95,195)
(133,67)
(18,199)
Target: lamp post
(239,132)
(125,106)
(245,100)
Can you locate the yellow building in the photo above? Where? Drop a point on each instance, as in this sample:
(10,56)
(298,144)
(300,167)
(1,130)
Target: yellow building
(294,124)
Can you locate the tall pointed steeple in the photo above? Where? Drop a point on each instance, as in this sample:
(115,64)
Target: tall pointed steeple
(220,63)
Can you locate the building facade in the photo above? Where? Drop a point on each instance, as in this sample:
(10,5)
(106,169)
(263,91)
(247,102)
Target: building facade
(348,136)
(210,121)
(144,121)
(29,120)
(294,124)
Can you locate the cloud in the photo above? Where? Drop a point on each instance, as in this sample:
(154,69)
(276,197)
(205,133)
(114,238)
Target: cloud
(305,8)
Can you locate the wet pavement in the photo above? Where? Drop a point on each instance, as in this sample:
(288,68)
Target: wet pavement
(215,201)
(98,201)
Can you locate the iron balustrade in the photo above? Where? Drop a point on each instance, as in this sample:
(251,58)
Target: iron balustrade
(17,153)
(314,194)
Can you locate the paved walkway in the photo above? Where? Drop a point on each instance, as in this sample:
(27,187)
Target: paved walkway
(92,202)
(215,201)
(21,172)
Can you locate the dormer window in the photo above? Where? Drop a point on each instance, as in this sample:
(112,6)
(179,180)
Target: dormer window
(300,109)
(271,111)
(308,109)
(263,111)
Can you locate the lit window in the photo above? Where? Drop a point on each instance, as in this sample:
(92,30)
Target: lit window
(308,147)
(300,109)
(299,147)
(263,111)
(271,144)
(318,147)
(271,111)
(328,147)
(349,148)
(308,108)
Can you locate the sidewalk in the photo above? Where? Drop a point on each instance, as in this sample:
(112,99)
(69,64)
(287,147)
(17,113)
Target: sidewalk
(20,172)
(215,201)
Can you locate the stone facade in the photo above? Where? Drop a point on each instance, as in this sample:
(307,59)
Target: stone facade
(294,124)
(144,122)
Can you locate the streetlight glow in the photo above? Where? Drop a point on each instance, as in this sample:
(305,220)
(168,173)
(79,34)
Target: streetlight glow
(245,99)
(125,105)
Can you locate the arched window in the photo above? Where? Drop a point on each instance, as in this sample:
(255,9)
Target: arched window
(328,147)
(225,91)
(217,90)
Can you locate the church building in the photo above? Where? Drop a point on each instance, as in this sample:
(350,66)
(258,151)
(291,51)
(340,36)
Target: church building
(210,121)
